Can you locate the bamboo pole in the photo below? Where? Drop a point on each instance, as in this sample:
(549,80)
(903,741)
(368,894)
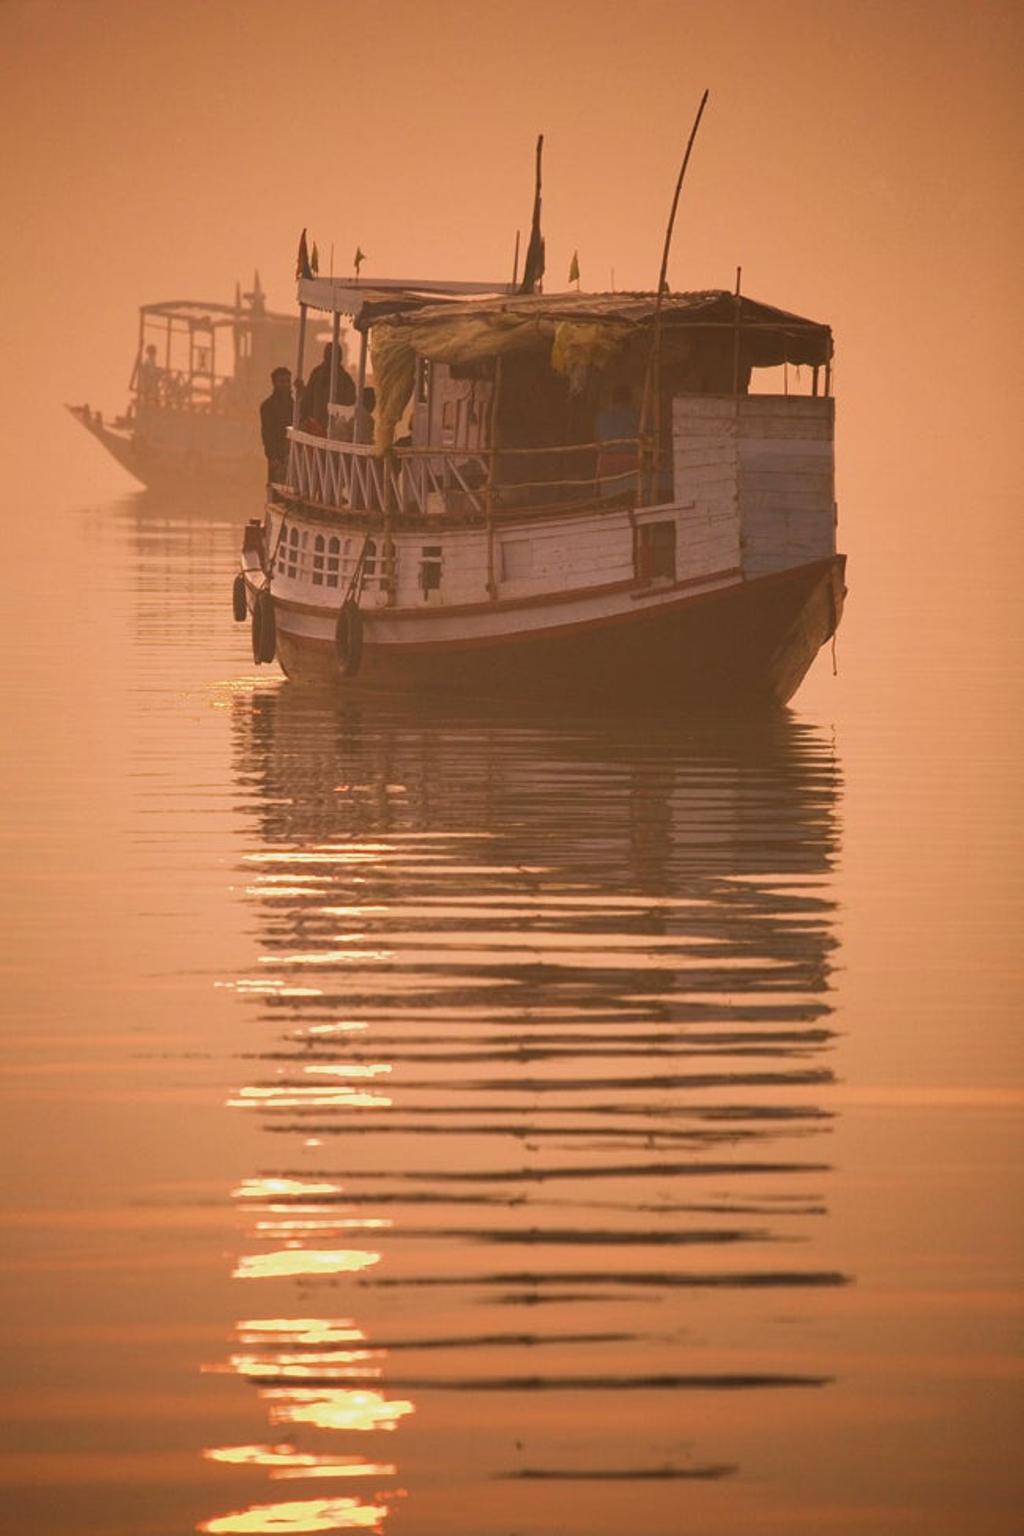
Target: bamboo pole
(737,304)
(515,262)
(654,359)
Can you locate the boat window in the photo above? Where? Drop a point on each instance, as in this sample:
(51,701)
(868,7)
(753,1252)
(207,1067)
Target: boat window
(282,549)
(333,550)
(318,560)
(656,550)
(516,559)
(370,560)
(422,380)
(292,564)
(430,568)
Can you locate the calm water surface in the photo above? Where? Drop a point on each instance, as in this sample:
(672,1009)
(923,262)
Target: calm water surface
(428,1122)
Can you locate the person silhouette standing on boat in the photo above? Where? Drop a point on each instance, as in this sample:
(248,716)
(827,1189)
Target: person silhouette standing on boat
(317,393)
(275,419)
(149,377)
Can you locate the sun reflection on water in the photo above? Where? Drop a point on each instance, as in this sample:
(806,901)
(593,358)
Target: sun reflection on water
(336,1408)
(285,1461)
(305,1515)
(299,1330)
(304,1261)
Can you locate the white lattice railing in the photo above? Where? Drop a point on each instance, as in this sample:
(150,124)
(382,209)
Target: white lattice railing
(347,475)
(340,474)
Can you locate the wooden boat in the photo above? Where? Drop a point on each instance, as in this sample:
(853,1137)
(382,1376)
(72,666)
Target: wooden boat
(514,541)
(200,372)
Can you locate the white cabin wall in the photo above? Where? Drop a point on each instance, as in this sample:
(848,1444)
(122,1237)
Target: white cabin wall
(456,413)
(706,485)
(786,481)
(463,567)
(572,554)
(754,480)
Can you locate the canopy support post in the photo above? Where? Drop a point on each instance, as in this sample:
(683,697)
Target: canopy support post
(492,471)
(298,364)
(335,356)
(133,382)
(361,381)
(297,407)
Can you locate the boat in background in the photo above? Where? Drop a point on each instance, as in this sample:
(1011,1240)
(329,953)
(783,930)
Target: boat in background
(501,537)
(201,370)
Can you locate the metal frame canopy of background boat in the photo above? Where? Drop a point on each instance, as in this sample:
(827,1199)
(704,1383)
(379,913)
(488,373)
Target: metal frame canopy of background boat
(469,323)
(198,312)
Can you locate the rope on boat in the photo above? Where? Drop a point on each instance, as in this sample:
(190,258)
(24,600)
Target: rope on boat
(348,630)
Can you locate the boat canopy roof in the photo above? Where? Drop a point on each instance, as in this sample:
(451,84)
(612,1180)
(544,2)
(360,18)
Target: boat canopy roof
(195,312)
(711,307)
(580,335)
(351,296)
(454,318)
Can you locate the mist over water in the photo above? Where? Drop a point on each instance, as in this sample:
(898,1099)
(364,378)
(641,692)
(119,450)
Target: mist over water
(429,1121)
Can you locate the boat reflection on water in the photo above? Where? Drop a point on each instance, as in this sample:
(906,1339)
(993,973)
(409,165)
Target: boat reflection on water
(542,1050)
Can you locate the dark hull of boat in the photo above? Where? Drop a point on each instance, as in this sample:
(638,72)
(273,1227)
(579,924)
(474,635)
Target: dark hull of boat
(751,642)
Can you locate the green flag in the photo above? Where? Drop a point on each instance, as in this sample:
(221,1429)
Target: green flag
(314,260)
(574,269)
(358,259)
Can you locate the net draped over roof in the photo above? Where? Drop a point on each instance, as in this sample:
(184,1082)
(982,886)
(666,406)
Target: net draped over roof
(578,331)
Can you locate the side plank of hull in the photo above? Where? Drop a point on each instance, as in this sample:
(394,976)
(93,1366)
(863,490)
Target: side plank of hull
(750,641)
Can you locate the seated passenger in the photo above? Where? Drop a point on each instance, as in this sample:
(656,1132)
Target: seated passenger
(363,432)
(617,425)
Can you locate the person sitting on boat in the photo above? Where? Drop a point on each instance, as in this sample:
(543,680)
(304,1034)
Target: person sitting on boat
(149,377)
(275,419)
(358,427)
(317,393)
(363,416)
(616,427)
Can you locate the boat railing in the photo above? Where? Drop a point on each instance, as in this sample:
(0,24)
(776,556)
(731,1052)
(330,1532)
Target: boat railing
(171,389)
(349,476)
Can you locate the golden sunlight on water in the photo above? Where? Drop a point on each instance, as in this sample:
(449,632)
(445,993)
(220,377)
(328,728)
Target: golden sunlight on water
(303,1515)
(527,1126)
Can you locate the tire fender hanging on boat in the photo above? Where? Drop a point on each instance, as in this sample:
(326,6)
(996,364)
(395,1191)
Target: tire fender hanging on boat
(264,627)
(239,605)
(348,638)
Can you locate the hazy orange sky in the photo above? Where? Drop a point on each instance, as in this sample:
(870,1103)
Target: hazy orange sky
(859,159)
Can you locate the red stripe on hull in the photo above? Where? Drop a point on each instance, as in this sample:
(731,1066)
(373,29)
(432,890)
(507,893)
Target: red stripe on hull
(753,640)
